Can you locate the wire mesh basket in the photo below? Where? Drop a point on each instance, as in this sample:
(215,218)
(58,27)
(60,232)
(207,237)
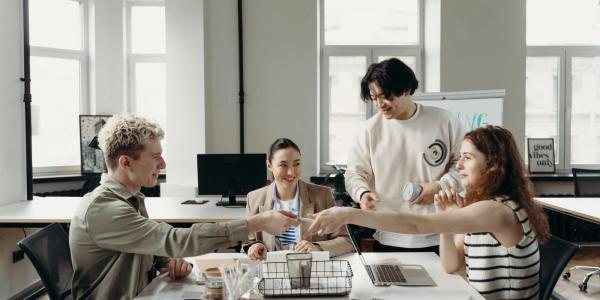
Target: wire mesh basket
(327,278)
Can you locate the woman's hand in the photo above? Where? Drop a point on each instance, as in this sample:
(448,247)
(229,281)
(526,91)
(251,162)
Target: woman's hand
(307,246)
(329,220)
(448,200)
(257,251)
(176,268)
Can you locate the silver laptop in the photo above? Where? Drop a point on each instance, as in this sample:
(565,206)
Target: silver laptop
(392,274)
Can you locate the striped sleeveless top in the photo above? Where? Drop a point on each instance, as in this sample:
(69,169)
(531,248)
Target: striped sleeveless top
(497,272)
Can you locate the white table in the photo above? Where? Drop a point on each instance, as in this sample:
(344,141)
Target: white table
(449,286)
(584,208)
(42,211)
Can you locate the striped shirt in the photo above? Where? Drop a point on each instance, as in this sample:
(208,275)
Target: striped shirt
(292,234)
(497,272)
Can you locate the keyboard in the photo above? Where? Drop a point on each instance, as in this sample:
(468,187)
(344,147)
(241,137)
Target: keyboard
(388,273)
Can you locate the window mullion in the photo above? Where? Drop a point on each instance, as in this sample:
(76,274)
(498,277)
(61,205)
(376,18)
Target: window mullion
(565,117)
(370,108)
(84,76)
(325,98)
(131,103)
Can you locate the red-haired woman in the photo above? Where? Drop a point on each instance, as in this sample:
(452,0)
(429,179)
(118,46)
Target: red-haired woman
(494,230)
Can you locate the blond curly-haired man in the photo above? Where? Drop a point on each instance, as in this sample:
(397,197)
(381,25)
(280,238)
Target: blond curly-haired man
(115,249)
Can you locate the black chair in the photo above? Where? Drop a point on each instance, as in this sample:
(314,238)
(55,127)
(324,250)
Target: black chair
(554,256)
(48,251)
(587,184)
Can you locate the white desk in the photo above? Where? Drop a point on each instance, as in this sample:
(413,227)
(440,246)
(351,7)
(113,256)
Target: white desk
(584,208)
(449,286)
(42,211)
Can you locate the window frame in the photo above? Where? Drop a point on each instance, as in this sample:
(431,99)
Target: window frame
(82,56)
(565,53)
(133,59)
(371,52)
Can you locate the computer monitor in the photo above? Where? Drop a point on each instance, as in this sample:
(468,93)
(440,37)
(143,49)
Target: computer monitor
(231,174)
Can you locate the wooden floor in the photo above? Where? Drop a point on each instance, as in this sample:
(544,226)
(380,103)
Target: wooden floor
(568,289)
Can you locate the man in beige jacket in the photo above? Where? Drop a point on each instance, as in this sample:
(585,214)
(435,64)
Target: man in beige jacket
(113,243)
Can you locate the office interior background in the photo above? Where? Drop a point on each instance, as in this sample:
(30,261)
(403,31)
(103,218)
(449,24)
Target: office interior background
(176,61)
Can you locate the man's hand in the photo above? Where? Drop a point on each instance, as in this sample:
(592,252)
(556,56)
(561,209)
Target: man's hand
(367,199)
(426,196)
(257,251)
(448,200)
(273,222)
(307,246)
(329,220)
(176,268)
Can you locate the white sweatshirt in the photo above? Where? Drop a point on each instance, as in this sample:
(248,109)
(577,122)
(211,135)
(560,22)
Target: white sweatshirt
(389,153)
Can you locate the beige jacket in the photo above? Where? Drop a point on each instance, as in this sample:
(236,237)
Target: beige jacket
(313,199)
(113,244)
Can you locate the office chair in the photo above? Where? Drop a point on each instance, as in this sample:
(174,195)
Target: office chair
(587,184)
(48,251)
(554,256)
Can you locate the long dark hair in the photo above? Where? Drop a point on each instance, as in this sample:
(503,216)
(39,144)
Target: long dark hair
(505,175)
(282,143)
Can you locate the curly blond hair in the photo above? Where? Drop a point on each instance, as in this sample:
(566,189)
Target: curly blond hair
(126,134)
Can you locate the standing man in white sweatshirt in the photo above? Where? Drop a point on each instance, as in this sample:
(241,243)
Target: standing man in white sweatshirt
(404,142)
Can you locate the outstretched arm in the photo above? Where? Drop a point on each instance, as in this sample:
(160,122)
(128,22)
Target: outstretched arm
(486,216)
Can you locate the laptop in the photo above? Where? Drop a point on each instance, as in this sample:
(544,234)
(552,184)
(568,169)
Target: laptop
(392,274)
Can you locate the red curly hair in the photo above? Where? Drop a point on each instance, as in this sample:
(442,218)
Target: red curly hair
(505,175)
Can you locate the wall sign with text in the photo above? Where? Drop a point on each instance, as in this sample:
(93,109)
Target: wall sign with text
(541,155)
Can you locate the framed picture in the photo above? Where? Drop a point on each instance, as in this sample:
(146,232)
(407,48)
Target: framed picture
(92,160)
(541,155)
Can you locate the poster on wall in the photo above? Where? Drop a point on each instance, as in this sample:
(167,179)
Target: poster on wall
(541,155)
(92,159)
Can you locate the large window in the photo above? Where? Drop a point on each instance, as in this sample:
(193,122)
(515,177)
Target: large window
(354,34)
(58,82)
(146,60)
(563,79)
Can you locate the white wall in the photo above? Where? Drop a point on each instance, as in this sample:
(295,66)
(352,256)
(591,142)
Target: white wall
(185,135)
(483,47)
(280,71)
(13,277)
(221,76)
(107,56)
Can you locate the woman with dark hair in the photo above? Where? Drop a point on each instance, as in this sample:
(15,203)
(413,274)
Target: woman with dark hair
(494,230)
(288,192)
